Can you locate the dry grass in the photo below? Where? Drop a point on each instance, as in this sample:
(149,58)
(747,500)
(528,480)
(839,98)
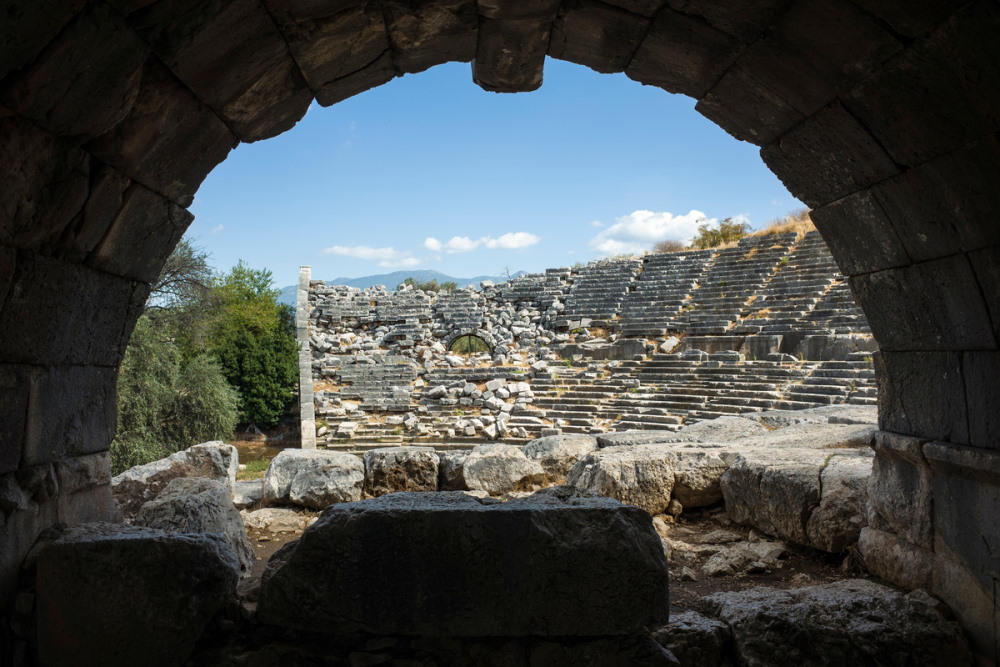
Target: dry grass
(796,221)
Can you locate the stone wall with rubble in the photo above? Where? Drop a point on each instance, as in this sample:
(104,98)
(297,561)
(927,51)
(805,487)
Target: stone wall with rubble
(653,342)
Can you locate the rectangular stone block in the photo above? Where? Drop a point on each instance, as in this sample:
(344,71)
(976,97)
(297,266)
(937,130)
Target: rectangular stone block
(596,35)
(986,264)
(78,473)
(142,235)
(744,19)
(231,55)
(976,607)
(424,33)
(981,372)
(642,7)
(72,411)
(85,80)
(900,495)
(379,71)
(169,141)
(922,393)
(14,399)
(510,54)
(30,26)
(828,156)
(859,234)
(84,506)
(45,181)
(44,322)
(19,530)
(933,305)
(540,10)
(682,55)
(912,18)
(107,186)
(895,559)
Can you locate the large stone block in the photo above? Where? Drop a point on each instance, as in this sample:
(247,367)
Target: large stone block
(981,371)
(557,454)
(45,183)
(424,33)
(84,81)
(119,595)
(313,478)
(14,392)
(510,54)
(909,18)
(29,26)
(986,264)
(828,156)
(900,496)
(922,394)
(169,141)
(231,55)
(71,411)
(933,305)
(640,476)
(682,55)
(593,34)
(429,564)
(894,559)
(499,469)
(142,236)
(392,469)
(20,525)
(861,237)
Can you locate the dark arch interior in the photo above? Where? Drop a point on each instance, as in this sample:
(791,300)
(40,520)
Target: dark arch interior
(469,344)
(881,115)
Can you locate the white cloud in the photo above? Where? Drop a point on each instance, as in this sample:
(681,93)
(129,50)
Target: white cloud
(596,223)
(456,244)
(384,256)
(218,229)
(638,231)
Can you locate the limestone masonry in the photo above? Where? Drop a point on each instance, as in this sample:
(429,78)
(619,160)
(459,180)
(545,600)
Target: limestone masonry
(638,343)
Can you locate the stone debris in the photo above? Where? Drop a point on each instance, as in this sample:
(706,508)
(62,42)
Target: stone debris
(391,469)
(247,494)
(499,469)
(137,486)
(277,520)
(557,454)
(695,639)
(313,478)
(457,547)
(198,505)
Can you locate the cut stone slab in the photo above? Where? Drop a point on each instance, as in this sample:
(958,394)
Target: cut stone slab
(137,486)
(557,454)
(852,622)
(721,429)
(277,520)
(629,438)
(499,469)
(110,594)
(247,494)
(198,505)
(392,469)
(552,564)
(640,476)
(451,471)
(313,478)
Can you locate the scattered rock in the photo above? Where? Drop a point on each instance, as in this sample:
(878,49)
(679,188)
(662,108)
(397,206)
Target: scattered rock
(640,476)
(198,505)
(277,520)
(351,572)
(696,640)
(451,471)
(137,486)
(247,494)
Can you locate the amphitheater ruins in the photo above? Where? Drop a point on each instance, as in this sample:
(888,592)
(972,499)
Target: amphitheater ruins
(881,115)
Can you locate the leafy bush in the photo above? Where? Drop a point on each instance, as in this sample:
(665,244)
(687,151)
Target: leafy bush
(430,285)
(727,231)
(669,246)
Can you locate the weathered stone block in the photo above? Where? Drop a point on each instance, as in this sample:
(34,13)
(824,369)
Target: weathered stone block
(933,305)
(986,264)
(681,55)
(313,478)
(643,7)
(450,556)
(83,472)
(944,206)
(84,82)
(828,156)
(392,469)
(640,476)
(107,187)
(922,393)
(974,607)
(142,236)
(593,34)
(424,33)
(71,411)
(557,454)
(45,183)
(980,371)
(19,530)
(233,58)
(861,237)
(175,584)
(540,10)
(86,505)
(29,26)
(510,55)
(894,559)
(910,18)
(739,18)
(900,496)
(14,392)
(165,128)
(331,42)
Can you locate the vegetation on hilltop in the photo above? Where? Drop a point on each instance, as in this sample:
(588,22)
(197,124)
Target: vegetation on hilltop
(429,285)
(729,231)
(210,351)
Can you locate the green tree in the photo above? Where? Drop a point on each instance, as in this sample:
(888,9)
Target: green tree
(429,285)
(253,339)
(727,231)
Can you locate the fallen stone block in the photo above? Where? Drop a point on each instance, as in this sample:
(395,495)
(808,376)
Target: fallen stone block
(110,594)
(557,454)
(392,469)
(695,639)
(198,505)
(499,469)
(313,478)
(429,564)
(640,476)
(137,486)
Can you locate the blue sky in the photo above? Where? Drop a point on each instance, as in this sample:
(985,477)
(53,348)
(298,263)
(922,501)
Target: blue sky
(431,172)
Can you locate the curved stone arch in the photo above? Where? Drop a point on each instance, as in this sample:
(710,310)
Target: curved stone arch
(479,333)
(881,116)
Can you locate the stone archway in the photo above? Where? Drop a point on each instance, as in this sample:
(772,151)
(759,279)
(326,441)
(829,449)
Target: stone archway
(882,115)
(485,336)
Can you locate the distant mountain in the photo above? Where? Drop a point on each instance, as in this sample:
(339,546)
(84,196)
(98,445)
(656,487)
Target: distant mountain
(390,280)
